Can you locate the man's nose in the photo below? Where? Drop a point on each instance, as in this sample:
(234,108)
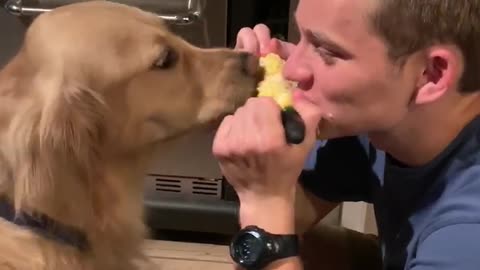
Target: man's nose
(295,70)
(249,63)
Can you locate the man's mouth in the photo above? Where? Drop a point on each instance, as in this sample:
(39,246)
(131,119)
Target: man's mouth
(303,96)
(299,95)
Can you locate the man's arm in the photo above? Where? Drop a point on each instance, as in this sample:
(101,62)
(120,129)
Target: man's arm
(324,246)
(285,217)
(310,209)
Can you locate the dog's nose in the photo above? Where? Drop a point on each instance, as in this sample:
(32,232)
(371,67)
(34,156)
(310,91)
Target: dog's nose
(249,63)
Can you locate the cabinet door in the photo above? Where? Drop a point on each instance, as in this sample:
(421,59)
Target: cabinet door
(202,22)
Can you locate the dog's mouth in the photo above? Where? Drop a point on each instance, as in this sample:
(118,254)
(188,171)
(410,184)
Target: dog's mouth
(214,124)
(259,76)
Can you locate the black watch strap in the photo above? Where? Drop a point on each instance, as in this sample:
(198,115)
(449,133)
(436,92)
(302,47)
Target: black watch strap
(288,246)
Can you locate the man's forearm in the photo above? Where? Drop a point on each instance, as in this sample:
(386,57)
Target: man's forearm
(275,215)
(309,210)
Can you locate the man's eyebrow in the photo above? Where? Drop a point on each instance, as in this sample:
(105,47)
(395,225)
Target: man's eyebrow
(322,40)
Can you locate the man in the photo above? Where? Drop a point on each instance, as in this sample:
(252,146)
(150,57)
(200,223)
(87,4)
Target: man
(403,72)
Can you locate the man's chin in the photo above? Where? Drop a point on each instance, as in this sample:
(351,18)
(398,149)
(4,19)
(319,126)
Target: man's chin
(327,130)
(323,136)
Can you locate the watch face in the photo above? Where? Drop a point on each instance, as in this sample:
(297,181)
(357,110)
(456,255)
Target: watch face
(248,248)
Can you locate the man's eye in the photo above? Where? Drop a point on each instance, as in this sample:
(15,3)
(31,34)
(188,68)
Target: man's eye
(329,53)
(328,56)
(325,52)
(166,60)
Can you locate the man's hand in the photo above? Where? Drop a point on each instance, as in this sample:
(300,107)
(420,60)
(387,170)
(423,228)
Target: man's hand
(254,156)
(258,41)
(262,168)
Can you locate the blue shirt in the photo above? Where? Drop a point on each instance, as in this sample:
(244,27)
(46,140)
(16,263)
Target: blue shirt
(428,217)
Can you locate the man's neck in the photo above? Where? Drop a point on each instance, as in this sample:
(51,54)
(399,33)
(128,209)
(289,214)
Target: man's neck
(425,133)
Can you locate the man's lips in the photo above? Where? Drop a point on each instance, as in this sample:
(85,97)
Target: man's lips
(301,96)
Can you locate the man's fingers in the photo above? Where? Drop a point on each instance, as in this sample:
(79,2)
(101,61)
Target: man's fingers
(247,41)
(220,143)
(259,42)
(273,47)
(268,123)
(262,33)
(311,117)
(285,49)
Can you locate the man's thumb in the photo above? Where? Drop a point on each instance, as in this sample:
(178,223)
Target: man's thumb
(311,116)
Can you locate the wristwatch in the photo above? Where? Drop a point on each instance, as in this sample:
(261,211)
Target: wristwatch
(253,248)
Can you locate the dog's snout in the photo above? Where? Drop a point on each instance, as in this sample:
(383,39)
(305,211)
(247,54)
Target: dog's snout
(249,63)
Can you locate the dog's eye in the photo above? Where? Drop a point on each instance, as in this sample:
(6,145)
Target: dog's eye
(166,60)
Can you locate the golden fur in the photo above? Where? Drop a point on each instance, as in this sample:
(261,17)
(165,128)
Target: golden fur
(82,107)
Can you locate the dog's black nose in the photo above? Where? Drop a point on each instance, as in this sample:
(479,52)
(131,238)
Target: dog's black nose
(249,63)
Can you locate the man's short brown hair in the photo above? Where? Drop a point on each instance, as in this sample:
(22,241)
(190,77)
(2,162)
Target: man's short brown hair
(412,25)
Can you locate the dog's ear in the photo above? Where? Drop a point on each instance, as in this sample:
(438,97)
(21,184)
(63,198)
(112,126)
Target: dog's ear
(73,126)
(58,140)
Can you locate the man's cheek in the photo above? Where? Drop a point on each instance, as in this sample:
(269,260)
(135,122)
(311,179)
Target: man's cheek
(339,96)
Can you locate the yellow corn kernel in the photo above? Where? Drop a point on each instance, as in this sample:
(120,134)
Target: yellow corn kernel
(272,63)
(274,85)
(284,100)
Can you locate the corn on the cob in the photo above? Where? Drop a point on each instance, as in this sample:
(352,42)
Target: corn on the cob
(276,86)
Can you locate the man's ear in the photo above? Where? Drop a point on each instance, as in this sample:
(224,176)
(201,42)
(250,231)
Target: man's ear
(441,72)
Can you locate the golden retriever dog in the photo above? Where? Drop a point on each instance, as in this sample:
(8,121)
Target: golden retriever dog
(95,87)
